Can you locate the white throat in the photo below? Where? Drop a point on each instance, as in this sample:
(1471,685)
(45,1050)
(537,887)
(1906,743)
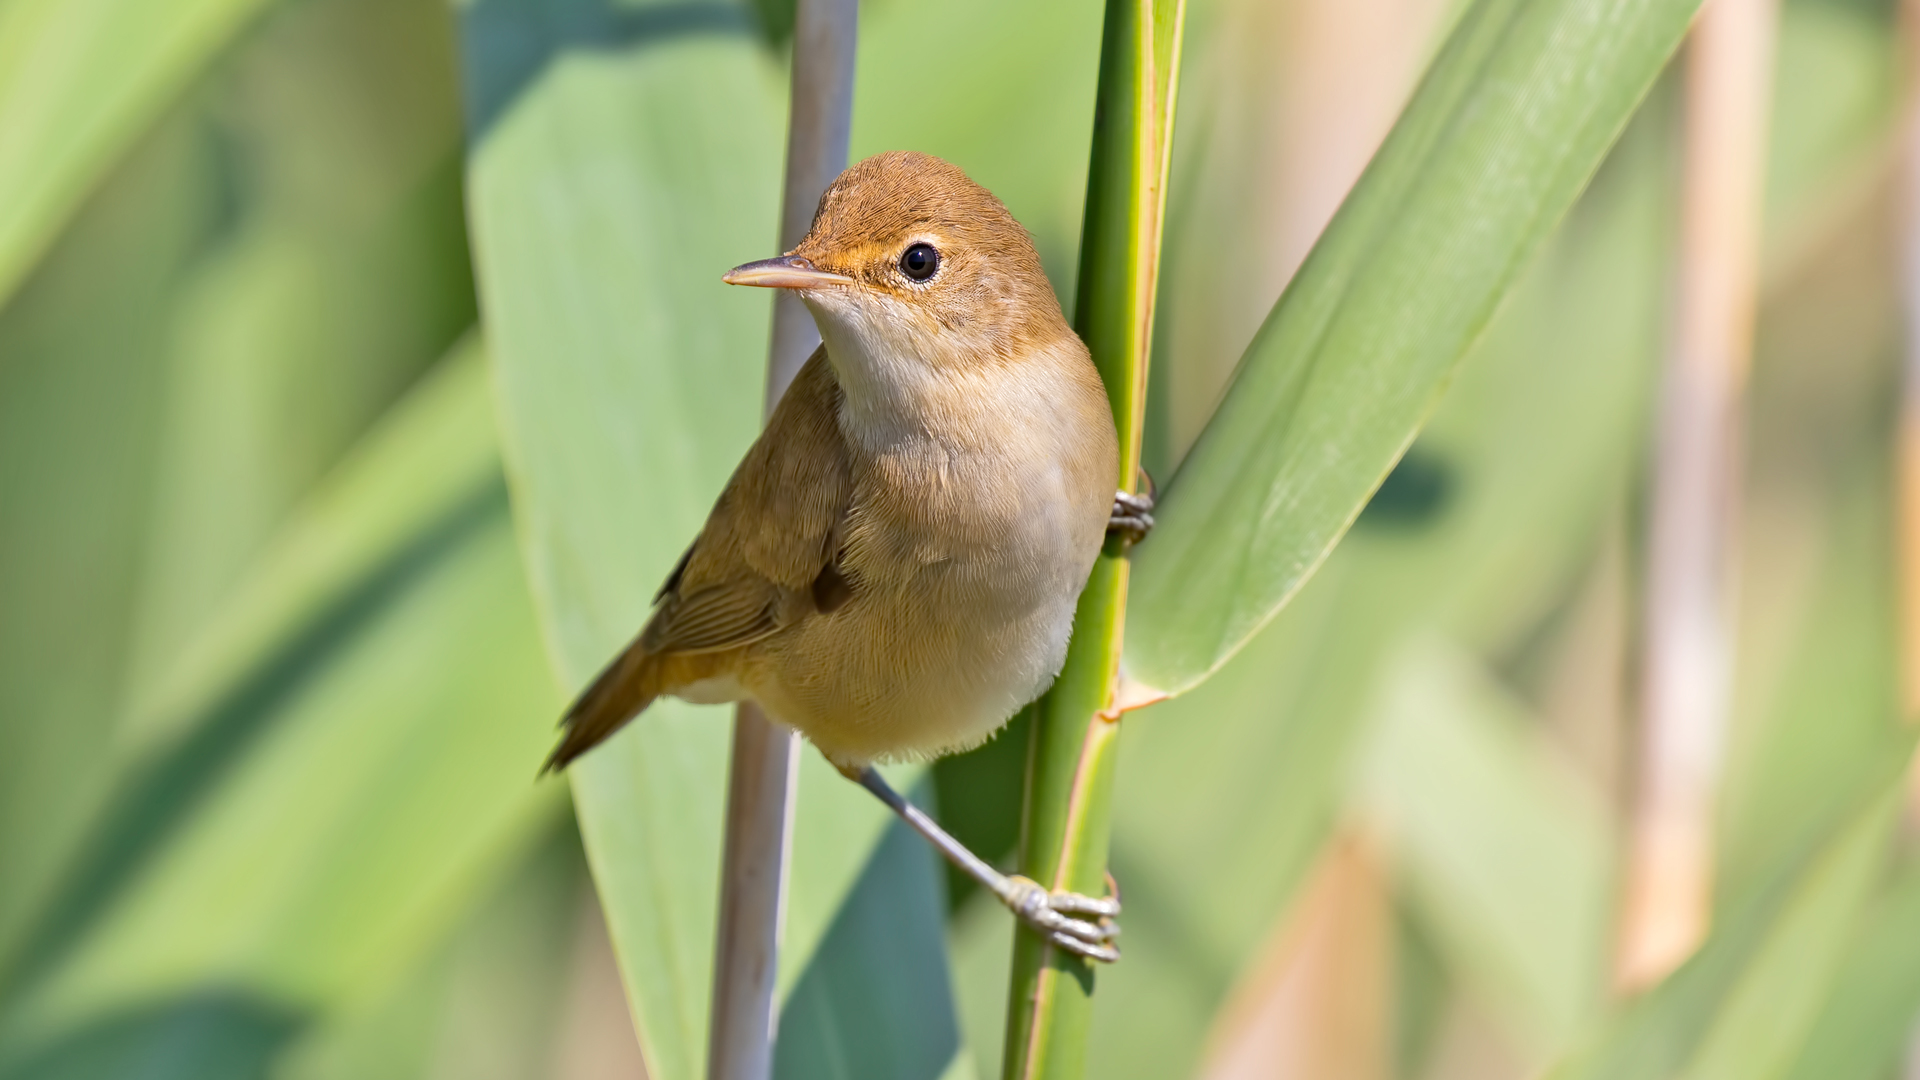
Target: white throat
(883,355)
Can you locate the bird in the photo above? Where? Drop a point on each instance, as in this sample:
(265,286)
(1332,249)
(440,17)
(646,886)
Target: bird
(893,568)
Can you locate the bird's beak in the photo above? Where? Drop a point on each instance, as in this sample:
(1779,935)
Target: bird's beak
(785,272)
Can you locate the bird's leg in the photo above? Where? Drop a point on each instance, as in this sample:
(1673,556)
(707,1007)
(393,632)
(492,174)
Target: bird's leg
(1060,917)
(1132,515)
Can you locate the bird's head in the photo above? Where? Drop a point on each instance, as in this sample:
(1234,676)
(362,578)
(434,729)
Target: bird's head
(909,260)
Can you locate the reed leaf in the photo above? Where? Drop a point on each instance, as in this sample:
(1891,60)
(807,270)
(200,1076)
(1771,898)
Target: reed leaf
(80,81)
(1504,132)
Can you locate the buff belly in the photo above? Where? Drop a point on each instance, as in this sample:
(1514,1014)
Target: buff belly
(915,681)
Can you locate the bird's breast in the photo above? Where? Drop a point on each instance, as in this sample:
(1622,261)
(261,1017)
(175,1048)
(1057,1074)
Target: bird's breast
(980,500)
(1004,495)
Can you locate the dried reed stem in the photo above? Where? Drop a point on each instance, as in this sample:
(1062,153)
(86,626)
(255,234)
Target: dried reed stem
(761,784)
(1693,541)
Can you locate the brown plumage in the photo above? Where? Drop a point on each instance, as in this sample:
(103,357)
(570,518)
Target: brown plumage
(893,567)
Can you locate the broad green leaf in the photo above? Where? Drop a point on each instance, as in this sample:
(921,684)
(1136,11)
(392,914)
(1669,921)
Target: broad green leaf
(80,82)
(329,814)
(846,1020)
(619,164)
(1505,849)
(1511,121)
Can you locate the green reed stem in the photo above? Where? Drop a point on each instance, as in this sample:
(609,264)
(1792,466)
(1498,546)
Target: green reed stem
(1066,813)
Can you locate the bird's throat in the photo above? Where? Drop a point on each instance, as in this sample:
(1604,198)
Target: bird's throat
(905,376)
(898,377)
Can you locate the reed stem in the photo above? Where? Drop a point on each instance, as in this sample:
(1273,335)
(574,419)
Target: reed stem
(765,763)
(1069,782)
(1693,540)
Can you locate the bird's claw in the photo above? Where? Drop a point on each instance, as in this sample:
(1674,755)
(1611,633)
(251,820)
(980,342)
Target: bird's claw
(1132,515)
(1060,917)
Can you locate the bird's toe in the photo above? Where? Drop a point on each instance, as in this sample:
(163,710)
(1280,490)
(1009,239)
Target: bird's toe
(1131,516)
(1062,918)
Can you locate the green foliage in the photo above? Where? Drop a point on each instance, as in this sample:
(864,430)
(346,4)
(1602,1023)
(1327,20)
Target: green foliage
(1744,1004)
(80,82)
(250,845)
(282,614)
(1506,851)
(297,562)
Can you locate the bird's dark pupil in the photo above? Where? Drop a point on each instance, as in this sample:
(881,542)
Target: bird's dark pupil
(920,262)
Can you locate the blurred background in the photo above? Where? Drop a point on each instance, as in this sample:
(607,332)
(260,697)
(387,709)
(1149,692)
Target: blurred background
(283,632)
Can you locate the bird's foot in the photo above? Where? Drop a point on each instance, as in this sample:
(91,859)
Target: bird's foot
(1082,925)
(1132,515)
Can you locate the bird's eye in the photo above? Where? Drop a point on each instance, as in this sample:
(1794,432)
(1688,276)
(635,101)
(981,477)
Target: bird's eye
(919,262)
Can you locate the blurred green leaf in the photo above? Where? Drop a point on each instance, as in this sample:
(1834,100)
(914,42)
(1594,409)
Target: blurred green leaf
(325,817)
(1816,700)
(1835,91)
(400,488)
(1506,849)
(622,159)
(81,406)
(80,82)
(1866,1024)
(292,256)
(1744,1004)
(338,275)
(486,1004)
(1515,115)
(1824,712)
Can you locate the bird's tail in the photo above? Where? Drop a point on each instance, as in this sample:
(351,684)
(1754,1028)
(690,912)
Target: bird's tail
(628,685)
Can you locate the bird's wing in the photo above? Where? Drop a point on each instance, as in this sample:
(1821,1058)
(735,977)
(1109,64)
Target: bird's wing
(772,533)
(767,556)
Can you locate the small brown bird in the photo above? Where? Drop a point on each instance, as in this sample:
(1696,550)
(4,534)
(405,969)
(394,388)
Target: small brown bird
(893,568)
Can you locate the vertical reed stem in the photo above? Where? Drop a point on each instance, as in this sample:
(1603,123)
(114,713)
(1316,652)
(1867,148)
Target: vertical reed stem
(1069,782)
(761,783)
(1693,541)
